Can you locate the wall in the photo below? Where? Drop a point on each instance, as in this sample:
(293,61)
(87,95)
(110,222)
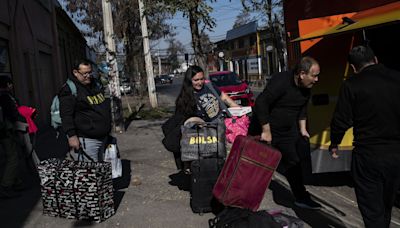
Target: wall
(29,29)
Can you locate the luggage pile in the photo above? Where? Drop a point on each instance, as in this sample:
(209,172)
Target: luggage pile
(203,144)
(77,190)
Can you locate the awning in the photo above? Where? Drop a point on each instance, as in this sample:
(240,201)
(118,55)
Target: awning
(357,22)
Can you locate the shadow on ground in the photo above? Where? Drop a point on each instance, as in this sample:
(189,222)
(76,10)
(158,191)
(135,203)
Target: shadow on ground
(315,218)
(14,212)
(181,180)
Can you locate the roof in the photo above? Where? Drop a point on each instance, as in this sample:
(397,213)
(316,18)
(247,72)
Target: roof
(243,30)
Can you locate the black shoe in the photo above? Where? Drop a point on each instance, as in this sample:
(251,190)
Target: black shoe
(7,192)
(308,203)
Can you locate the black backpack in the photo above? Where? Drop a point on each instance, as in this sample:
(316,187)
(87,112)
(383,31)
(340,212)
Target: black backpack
(243,218)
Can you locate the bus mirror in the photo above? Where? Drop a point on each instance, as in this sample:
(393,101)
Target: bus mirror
(320,99)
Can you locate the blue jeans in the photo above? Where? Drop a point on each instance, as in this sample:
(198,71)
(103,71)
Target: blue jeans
(93,148)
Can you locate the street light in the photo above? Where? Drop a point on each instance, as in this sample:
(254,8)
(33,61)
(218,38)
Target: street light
(221,60)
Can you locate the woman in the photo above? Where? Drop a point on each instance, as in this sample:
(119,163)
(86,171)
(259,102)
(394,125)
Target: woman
(198,100)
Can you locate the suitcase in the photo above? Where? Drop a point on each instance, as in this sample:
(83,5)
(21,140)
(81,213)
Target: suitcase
(247,173)
(204,175)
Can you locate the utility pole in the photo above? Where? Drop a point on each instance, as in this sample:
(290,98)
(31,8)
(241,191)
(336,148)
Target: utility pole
(115,93)
(159,62)
(149,64)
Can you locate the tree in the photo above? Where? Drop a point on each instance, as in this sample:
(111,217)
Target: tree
(198,13)
(126,28)
(242,18)
(273,9)
(175,49)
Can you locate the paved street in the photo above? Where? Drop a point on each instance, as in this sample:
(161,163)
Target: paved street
(161,200)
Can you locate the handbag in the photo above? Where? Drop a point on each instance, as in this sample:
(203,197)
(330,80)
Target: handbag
(77,189)
(111,154)
(202,139)
(236,125)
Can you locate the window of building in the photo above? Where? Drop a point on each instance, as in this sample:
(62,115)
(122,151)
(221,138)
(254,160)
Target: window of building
(252,40)
(241,43)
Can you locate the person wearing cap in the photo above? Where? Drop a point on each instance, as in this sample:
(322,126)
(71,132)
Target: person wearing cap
(368,102)
(86,117)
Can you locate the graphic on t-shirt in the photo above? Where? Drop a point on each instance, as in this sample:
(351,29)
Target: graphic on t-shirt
(210,104)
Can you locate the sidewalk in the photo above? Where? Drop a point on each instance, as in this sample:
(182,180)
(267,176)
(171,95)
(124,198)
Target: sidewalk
(156,195)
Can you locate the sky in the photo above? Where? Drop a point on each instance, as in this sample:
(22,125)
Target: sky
(224,13)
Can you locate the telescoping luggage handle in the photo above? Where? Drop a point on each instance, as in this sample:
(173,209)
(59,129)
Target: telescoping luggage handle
(198,136)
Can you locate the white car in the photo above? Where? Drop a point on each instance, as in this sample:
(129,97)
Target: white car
(125,88)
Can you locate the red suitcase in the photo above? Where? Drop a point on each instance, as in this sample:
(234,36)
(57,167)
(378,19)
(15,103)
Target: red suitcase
(247,173)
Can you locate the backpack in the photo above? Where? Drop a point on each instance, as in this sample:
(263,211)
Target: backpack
(55,106)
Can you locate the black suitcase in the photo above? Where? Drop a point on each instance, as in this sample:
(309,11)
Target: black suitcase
(204,175)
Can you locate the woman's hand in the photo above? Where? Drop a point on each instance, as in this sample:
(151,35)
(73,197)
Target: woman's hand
(228,101)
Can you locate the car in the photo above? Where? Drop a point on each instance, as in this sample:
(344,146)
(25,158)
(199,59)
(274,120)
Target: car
(125,86)
(165,79)
(230,83)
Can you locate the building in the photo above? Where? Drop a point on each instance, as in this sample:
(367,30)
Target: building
(38,42)
(249,51)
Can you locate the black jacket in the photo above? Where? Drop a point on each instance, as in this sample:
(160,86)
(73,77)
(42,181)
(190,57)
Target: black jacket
(282,104)
(369,102)
(86,115)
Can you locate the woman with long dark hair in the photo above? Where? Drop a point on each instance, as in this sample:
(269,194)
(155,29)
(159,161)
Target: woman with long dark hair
(197,100)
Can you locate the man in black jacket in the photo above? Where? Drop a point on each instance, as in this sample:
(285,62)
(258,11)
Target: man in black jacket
(369,103)
(86,117)
(280,115)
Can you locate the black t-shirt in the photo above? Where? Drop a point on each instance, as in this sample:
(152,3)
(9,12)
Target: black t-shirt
(208,107)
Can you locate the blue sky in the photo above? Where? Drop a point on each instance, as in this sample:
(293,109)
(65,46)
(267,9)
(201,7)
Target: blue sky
(224,12)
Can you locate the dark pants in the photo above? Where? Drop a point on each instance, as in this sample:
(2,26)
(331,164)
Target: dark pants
(290,167)
(11,166)
(376,173)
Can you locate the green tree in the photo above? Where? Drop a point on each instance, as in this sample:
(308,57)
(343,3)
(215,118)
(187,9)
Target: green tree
(127,28)
(273,9)
(242,18)
(198,13)
(174,49)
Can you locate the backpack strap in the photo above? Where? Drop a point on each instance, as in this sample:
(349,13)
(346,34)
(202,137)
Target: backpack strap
(72,87)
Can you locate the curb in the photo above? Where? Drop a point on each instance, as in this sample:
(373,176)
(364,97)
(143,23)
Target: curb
(320,198)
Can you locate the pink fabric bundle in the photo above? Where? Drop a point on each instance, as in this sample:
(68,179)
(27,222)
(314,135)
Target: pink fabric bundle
(28,113)
(236,125)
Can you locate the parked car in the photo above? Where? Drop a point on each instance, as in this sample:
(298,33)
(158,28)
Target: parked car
(165,79)
(229,83)
(125,86)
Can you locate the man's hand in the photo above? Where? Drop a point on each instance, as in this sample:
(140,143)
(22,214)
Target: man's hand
(266,134)
(305,133)
(73,142)
(333,148)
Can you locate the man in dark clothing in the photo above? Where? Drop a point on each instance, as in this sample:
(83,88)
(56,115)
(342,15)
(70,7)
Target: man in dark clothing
(9,115)
(280,114)
(368,102)
(86,117)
